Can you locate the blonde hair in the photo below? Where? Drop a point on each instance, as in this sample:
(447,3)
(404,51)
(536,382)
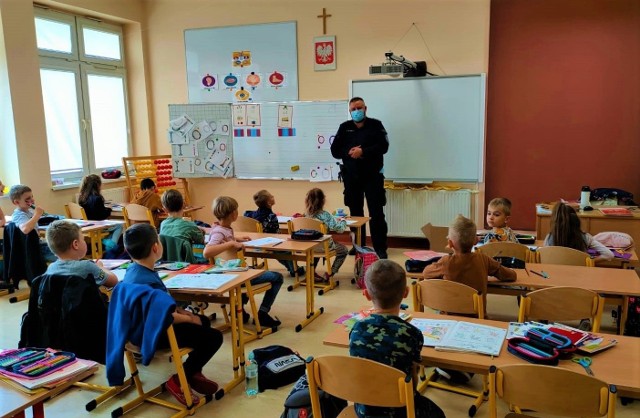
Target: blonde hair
(223,206)
(61,234)
(386,282)
(501,203)
(314,201)
(261,198)
(462,232)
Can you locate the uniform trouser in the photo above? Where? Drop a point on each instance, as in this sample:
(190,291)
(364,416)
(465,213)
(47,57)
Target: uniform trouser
(371,188)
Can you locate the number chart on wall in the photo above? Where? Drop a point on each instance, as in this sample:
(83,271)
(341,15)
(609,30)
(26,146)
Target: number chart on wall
(200,138)
(249,63)
(286,140)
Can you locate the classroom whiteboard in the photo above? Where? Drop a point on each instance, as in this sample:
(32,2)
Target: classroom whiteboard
(436,125)
(299,152)
(249,63)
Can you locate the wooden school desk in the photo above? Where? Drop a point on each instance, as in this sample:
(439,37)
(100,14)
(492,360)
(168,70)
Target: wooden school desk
(116,211)
(289,249)
(594,222)
(356,222)
(13,402)
(619,365)
(230,293)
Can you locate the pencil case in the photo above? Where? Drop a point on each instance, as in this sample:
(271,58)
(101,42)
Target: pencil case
(560,342)
(533,351)
(31,363)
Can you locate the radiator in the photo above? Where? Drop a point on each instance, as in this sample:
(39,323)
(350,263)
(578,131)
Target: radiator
(115,195)
(408,210)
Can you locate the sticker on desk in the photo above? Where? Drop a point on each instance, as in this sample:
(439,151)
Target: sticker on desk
(198,281)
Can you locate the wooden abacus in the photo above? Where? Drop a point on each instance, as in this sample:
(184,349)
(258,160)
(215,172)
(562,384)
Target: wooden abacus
(159,169)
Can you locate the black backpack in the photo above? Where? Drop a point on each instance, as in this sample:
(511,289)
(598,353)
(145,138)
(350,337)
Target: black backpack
(277,366)
(298,403)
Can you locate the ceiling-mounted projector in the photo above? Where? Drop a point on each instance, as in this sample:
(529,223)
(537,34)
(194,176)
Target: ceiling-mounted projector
(386,69)
(398,65)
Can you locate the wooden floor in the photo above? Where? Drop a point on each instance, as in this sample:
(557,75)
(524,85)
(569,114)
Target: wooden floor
(289,307)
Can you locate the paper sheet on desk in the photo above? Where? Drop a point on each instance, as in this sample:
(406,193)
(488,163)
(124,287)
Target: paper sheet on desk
(260,242)
(284,219)
(198,281)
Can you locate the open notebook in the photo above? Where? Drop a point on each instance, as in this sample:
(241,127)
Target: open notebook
(448,335)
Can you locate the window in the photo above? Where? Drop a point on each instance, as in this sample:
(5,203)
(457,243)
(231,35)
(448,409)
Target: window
(83,78)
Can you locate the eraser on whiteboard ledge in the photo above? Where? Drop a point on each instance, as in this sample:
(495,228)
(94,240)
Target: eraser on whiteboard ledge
(295,167)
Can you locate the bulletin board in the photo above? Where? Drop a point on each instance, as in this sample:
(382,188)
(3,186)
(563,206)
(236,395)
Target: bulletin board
(200,138)
(436,125)
(289,140)
(249,63)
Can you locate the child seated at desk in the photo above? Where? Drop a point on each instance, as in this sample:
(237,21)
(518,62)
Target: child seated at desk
(386,338)
(314,204)
(92,202)
(26,215)
(2,220)
(175,225)
(143,245)
(222,238)
(149,198)
(565,232)
(464,266)
(67,242)
(498,214)
(269,220)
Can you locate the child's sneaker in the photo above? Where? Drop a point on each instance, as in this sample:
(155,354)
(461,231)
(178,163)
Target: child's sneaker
(300,272)
(267,321)
(173,386)
(200,383)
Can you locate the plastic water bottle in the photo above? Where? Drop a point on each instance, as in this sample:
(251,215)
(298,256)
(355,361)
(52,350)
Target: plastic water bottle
(251,376)
(585,197)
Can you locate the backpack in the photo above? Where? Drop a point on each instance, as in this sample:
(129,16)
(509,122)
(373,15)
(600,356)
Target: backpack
(298,403)
(277,366)
(365,256)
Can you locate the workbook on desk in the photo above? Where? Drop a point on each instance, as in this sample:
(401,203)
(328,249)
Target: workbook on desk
(448,335)
(198,281)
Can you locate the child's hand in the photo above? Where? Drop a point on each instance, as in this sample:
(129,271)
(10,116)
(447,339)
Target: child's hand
(99,263)
(38,212)
(243,239)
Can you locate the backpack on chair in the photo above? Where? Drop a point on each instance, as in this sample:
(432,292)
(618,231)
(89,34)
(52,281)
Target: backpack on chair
(365,256)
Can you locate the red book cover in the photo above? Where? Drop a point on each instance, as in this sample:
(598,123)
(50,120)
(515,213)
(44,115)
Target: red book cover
(195,268)
(574,336)
(616,211)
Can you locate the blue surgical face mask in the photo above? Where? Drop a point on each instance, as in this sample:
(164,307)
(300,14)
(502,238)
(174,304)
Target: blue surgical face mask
(357,115)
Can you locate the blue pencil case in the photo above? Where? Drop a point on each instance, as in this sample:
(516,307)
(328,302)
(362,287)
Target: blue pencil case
(533,351)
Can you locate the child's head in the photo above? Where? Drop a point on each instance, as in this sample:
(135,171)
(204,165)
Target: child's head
(386,284)
(565,228)
(498,212)
(172,201)
(90,185)
(141,241)
(21,196)
(147,184)
(263,199)
(314,202)
(462,234)
(65,238)
(224,207)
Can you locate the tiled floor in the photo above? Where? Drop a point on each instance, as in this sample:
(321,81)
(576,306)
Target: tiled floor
(289,308)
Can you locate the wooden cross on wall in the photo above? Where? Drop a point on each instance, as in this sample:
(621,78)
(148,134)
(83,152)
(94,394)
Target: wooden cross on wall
(324,17)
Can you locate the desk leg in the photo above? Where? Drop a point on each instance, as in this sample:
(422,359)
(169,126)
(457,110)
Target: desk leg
(96,245)
(311,312)
(624,312)
(417,306)
(237,340)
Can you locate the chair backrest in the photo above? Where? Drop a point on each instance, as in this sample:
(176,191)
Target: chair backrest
(563,255)
(451,297)
(228,255)
(562,304)
(306,223)
(134,213)
(75,211)
(505,249)
(176,249)
(351,378)
(246,224)
(551,390)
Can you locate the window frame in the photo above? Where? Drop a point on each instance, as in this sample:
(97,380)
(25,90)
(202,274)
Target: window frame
(84,65)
